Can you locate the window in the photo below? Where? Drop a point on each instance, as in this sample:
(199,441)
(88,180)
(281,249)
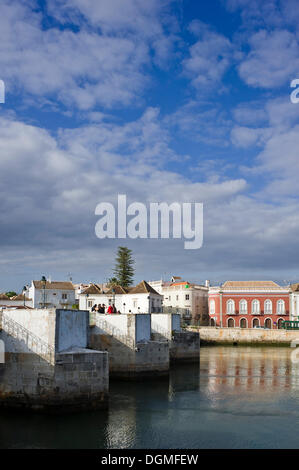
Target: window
(230,307)
(64,296)
(212,307)
(255,306)
(268,306)
(280,307)
(187,296)
(169,298)
(230,323)
(255,323)
(89,303)
(243,323)
(243,306)
(134,303)
(177,297)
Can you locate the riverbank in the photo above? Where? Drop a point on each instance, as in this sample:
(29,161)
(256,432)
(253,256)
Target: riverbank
(245,336)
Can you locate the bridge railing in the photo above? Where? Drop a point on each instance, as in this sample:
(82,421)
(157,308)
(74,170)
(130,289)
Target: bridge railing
(160,330)
(32,341)
(113,331)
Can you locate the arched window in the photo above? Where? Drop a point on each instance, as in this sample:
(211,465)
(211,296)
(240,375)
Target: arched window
(243,306)
(230,307)
(243,323)
(280,307)
(255,306)
(268,307)
(279,323)
(230,323)
(268,323)
(212,307)
(255,323)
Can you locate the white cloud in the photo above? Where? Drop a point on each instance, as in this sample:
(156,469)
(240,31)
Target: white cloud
(101,65)
(272,61)
(209,58)
(245,137)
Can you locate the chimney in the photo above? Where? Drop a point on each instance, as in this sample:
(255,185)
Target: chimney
(207,283)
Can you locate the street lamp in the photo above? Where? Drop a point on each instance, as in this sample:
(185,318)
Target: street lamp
(113,299)
(44,282)
(24,291)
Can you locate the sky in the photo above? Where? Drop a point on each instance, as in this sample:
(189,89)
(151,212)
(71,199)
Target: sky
(163,100)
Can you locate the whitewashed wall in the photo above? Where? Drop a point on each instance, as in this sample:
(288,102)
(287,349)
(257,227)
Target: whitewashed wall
(131,301)
(40,322)
(53,297)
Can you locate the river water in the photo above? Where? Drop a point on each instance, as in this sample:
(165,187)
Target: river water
(239,397)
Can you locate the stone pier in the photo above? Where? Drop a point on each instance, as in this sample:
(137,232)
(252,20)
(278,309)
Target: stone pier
(132,353)
(183,345)
(48,366)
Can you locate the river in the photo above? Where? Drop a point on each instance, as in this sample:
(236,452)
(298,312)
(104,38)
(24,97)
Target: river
(239,397)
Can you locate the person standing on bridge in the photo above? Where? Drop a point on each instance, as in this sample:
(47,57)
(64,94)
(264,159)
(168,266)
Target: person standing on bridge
(110,309)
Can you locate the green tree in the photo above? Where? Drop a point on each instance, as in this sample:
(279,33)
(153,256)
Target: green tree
(113,281)
(11,294)
(124,270)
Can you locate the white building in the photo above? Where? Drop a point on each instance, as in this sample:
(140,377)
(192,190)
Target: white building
(80,288)
(188,299)
(52,294)
(294,302)
(139,299)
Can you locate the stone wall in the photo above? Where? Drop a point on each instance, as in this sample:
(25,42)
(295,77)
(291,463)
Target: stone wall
(164,324)
(210,335)
(57,375)
(79,380)
(146,359)
(185,346)
(40,322)
(72,329)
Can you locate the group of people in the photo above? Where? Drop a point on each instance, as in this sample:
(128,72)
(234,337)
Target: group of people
(102,308)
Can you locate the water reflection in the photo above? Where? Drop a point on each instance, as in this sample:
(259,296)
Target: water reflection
(238,397)
(250,370)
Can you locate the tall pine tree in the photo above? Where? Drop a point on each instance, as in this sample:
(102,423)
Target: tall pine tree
(124,271)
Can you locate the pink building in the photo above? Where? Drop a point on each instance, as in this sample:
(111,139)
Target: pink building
(249,304)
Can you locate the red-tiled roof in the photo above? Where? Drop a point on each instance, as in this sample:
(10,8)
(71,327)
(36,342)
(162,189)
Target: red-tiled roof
(143,288)
(250,285)
(56,285)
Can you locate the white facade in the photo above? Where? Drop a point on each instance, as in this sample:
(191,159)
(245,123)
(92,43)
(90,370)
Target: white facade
(191,298)
(139,299)
(124,303)
(294,306)
(54,295)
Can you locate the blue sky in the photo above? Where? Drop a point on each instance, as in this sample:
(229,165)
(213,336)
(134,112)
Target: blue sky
(162,100)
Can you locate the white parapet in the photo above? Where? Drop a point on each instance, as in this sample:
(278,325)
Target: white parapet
(166,323)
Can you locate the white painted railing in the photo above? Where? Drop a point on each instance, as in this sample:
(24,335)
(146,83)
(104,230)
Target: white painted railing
(33,342)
